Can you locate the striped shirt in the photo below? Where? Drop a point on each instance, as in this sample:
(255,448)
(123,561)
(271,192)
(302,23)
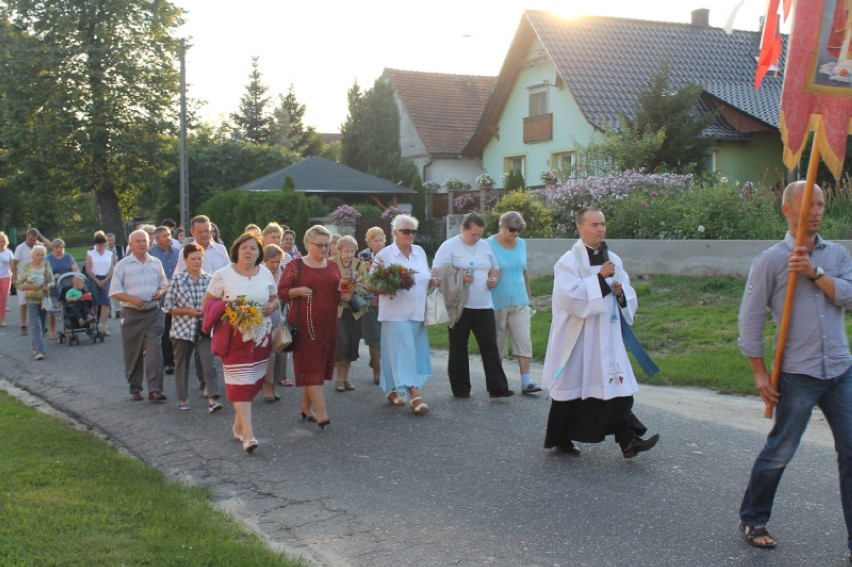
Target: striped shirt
(184,292)
(138,278)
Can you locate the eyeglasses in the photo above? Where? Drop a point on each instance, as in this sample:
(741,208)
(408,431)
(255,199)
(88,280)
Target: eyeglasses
(407,231)
(514,229)
(327,245)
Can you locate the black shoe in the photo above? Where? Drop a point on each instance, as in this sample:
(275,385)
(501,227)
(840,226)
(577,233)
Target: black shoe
(569,449)
(169,369)
(501,394)
(639,445)
(158,397)
(461,394)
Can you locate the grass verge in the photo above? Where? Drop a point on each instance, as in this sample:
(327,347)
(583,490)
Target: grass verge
(69,498)
(687,324)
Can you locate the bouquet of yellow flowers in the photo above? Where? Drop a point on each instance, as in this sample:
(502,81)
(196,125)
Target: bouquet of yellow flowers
(389,279)
(244,316)
(350,283)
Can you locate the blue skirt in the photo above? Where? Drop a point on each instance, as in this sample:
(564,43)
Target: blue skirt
(99,296)
(405,356)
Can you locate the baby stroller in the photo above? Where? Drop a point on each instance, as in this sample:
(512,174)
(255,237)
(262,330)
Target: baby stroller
(72,327)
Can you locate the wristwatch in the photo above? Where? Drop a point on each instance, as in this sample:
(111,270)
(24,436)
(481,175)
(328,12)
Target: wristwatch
(818,273)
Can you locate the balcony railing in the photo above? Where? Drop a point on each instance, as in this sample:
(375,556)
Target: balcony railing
(538,128)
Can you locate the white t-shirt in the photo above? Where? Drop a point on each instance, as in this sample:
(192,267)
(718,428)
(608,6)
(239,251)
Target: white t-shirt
(227,284)
(101,263)
(215,258)
(23,255)
(480,258)
(5,260)
(407,304)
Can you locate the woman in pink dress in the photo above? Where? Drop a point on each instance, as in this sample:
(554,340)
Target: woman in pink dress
(311,284)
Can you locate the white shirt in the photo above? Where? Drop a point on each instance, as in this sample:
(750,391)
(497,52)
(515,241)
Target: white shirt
(215,258)
(480,258)
(407,304)
(23,255)
(5,260)
(101,263)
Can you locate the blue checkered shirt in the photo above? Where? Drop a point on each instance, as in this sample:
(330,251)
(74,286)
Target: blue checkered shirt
(184,292)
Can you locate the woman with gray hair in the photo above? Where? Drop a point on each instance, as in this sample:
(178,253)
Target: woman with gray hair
(511,295)
(60,262)
(405,341)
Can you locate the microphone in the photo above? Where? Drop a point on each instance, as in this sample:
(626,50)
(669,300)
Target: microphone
(604,251)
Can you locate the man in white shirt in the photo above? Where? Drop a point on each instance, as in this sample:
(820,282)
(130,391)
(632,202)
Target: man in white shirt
(215,254)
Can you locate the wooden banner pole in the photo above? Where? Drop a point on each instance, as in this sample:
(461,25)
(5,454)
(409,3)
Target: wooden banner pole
(804,213)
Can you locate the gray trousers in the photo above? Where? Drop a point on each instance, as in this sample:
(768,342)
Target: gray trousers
(183,350)
(141,333)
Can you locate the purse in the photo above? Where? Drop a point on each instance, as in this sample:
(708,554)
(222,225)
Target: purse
(357,303)
(282,337)
(436,308)
(291,329)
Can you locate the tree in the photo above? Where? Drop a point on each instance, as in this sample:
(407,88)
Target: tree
(369,139)
(252,122)
(288,129)
(94,95)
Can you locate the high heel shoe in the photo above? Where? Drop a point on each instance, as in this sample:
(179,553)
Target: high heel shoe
(322,424)
(250,445)
(305,416)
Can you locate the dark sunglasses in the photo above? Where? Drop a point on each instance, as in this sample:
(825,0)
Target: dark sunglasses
(513,229)
(407,231)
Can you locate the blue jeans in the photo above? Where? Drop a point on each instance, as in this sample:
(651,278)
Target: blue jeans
(799,395)
(35,316)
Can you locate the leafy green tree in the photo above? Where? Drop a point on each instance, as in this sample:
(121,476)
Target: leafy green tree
(252,122)
(515,181)
(302,220)
(370,135)
(537,215)
(288,128)
(88,99)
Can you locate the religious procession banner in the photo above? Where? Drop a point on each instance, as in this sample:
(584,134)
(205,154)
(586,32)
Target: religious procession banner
(817,94)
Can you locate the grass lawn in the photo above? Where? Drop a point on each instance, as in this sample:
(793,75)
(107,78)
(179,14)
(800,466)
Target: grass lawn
(688,325)
(69,498)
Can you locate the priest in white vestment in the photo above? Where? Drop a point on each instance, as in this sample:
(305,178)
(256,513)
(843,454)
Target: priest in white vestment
(586,369)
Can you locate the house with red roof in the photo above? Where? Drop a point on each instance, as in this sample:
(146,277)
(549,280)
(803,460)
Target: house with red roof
(563,80)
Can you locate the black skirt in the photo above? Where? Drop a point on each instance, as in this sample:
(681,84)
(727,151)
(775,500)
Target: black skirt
(591,420)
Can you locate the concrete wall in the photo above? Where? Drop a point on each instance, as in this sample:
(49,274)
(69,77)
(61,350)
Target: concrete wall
(672,257)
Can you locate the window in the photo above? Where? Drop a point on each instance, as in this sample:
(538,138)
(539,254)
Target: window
(512,163)
(564,161)
(709,161)
(538,100)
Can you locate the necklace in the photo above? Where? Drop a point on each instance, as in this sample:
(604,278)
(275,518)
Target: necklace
(311,330)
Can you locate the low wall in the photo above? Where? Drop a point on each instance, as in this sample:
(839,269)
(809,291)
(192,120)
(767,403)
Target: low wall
(671,257)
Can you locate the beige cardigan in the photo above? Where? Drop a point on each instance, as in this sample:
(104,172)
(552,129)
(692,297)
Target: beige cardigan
(453,289)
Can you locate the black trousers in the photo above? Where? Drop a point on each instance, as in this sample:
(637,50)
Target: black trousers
(166,344)
(481,322)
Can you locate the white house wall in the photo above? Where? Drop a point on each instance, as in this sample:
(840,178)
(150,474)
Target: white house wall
(570,127)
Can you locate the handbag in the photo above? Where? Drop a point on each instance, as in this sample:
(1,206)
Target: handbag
(357,303)
(291,329)
(47,303)
(436,308)
(282,336)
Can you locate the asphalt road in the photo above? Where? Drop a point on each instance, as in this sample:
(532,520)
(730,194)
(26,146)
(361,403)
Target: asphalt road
(467,484)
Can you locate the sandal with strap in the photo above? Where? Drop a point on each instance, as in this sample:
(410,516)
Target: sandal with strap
(418,406)
(752,532)
(395,400)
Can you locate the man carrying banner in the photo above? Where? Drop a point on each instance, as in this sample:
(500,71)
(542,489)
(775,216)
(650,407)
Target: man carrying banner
(817,365)
(586,369)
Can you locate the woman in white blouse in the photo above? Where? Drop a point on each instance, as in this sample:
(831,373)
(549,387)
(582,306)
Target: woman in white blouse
(405,342)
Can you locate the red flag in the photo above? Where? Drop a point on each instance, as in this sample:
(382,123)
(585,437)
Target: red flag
(817,95)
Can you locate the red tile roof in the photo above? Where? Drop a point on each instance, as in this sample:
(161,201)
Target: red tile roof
(445,108)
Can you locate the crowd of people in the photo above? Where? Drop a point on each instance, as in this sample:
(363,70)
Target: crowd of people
(187,300)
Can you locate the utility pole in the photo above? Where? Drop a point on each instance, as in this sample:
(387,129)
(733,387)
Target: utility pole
(184,158)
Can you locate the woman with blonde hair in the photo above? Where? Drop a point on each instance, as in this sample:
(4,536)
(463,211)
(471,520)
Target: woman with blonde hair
(311,285)
(371,329)
(348,326)
(36,280)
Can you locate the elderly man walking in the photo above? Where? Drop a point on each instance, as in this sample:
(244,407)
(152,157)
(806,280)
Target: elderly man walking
(817,365)
(139,283)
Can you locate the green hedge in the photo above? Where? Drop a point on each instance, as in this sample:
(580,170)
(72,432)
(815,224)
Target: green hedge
(233,210)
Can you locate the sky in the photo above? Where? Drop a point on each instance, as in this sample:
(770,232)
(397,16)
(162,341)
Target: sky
(322,47)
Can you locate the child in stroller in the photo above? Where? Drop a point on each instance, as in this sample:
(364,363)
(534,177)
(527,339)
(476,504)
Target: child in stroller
(77,315)
(78,304)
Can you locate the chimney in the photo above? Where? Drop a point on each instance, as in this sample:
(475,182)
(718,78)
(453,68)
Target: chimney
(701,18)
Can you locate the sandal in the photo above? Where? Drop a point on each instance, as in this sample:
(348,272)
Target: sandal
(347,385)
(340,387)
(752,532)
(418,406)
(286,382)
(395,400)
(23,330)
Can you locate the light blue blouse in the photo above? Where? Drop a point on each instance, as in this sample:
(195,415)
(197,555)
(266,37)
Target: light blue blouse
(511,289)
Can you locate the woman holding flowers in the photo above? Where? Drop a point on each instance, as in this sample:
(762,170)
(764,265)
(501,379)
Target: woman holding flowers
(248,290)
(371,329)
(400,274)
(312,284)
(352,271)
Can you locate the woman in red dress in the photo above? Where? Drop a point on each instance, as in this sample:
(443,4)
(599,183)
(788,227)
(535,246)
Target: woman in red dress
(311,286)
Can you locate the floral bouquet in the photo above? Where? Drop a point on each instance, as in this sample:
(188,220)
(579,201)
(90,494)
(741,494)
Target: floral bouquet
(389,279)
(352,283)
(244,316)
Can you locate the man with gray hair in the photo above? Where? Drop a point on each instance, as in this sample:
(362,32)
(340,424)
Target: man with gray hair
(139,283)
